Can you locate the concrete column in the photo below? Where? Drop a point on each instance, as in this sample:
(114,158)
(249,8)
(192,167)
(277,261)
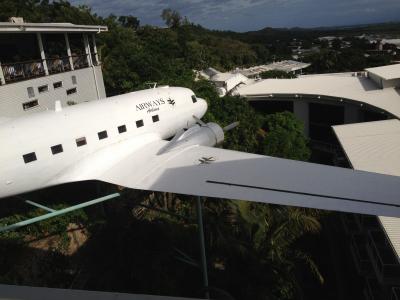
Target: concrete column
(301,111)
(2,79)
(95,48)
(71,61)
(351,114)
(42,54)
(87,49)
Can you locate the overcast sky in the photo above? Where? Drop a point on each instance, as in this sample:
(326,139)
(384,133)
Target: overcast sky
(245,15)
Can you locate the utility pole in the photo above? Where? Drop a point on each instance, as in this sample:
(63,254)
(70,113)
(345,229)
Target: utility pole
(199,208)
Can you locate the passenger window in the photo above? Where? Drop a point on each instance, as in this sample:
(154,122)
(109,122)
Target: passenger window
(56,149)
(71,91)
(122,129)
(102,134)
(194,99)
(30,104)
(81,141)
(155,118)
(29,157)
(139,123)
(43,88)
(57,84)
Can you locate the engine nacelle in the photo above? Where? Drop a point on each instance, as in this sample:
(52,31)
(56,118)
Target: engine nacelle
(210,135)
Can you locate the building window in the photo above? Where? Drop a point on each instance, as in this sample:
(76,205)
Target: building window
(139,123)
(81,141)
(102,134)
(73,78)
(122,129)
(30,104)
(31,92)
(57,85)
(194,99)
(155,118)
(30,157)
(71,91)
(43,88)
(56,149)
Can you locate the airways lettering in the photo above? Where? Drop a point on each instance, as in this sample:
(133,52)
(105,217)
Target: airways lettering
(150,104)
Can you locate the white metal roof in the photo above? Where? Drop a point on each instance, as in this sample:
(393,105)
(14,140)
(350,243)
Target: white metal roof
(288,65)
(285,65)
(391,41)
(375,147)
(386,72)
(222,76)
(6,27)
(360,89)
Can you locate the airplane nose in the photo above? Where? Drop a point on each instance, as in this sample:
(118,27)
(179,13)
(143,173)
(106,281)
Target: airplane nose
(203,106)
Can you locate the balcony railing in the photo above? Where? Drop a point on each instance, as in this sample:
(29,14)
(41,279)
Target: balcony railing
(372,290)
(58,65)
(386,264)
(360,254)
(395,293)
(80,61)
(22,70)
(94,60)
(19,71)
(349,223)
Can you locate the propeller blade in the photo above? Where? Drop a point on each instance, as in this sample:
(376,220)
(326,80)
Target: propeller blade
(230,126)
(199,121)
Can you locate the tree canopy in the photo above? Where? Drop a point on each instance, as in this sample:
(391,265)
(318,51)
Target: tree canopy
(284,137)
(277,74)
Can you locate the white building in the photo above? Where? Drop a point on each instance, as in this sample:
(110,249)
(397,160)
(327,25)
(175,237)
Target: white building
(41,63)
(354,97)
(341,102)
(375,147)
(227,82)
(288,66)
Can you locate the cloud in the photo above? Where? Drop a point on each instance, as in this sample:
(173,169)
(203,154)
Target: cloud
(243,15)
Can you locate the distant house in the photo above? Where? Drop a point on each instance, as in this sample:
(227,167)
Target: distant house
(288,66)
(226,82)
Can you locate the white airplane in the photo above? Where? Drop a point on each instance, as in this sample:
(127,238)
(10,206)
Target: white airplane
(123,140)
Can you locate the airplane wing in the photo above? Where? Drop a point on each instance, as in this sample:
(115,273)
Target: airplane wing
(214,172)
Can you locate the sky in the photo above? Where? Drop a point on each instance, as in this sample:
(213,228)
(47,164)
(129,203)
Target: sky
(246,15)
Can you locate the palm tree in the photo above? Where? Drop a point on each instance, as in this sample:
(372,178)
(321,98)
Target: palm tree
(272,233)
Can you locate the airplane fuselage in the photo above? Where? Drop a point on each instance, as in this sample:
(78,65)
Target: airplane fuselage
(37,149)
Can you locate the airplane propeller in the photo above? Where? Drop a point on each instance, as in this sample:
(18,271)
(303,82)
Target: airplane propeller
(199,121)
(230,126)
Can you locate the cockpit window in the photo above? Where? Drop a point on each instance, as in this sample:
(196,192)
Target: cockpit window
(194,99)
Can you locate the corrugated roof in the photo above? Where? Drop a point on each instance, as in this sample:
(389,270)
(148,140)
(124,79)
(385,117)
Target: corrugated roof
(386,72)
(360,89)
(375,147)
(285,65)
